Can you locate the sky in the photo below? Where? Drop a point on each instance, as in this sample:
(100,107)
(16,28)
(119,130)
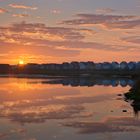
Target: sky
(56,31)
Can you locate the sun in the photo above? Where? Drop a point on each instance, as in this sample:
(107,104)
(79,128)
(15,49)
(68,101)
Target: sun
(21,62)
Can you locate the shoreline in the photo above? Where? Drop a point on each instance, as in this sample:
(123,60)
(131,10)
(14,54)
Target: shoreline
(92,76)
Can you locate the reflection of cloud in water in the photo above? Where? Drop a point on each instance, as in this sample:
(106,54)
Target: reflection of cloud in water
(13,94)
(73,100)
(43,100)
(11,132)
(56,108)
(66,112)
(120,124)
(53,101)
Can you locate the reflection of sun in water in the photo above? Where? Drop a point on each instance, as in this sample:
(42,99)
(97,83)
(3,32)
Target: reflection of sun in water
(21,62)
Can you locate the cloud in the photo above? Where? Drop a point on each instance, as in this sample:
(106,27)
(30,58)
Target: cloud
(21,15)
(3,11)
(132,39)
(115,124)
(20,6)
(68,44)
(44,41)
(55,11)
(37,36)
(109,21)
(124,24)
(105,11)
(41,30)
(96,19)
(12,132)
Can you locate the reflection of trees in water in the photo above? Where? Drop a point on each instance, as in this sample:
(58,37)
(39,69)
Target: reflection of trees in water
(133,96)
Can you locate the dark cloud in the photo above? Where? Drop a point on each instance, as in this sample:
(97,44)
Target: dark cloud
(124,24)
(109,21)
(132,39)
(65,33)
(121,124)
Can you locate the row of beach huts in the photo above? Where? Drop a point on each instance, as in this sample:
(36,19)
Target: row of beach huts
(86,66)
(74,68)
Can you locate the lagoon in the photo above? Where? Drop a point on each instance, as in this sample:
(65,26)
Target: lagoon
(67,109)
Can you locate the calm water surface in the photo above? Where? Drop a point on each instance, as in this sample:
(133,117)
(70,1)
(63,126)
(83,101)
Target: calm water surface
(66,109)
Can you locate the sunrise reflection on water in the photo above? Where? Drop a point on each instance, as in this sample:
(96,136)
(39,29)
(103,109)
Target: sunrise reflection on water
(40,109)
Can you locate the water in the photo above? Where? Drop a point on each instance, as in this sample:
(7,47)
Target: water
(67,109)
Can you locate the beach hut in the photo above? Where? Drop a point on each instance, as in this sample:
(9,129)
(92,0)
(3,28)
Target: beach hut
(65,66)
(74,82)
(90,65)
(106,66)
(4,68)
(83,82)
(123,66)
(106,82)
(138,66)
(131,82)
(115,65)
(75,65)
(32,66)
(131,65)
(65,82)
(114,83)
(58,67)
(44,66)
(123,83)
(51,66)
(82,66)
(98,66)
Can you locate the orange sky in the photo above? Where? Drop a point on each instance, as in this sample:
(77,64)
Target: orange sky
(34,33)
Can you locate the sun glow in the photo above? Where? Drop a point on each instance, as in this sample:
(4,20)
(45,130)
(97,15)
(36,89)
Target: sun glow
(21,62)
